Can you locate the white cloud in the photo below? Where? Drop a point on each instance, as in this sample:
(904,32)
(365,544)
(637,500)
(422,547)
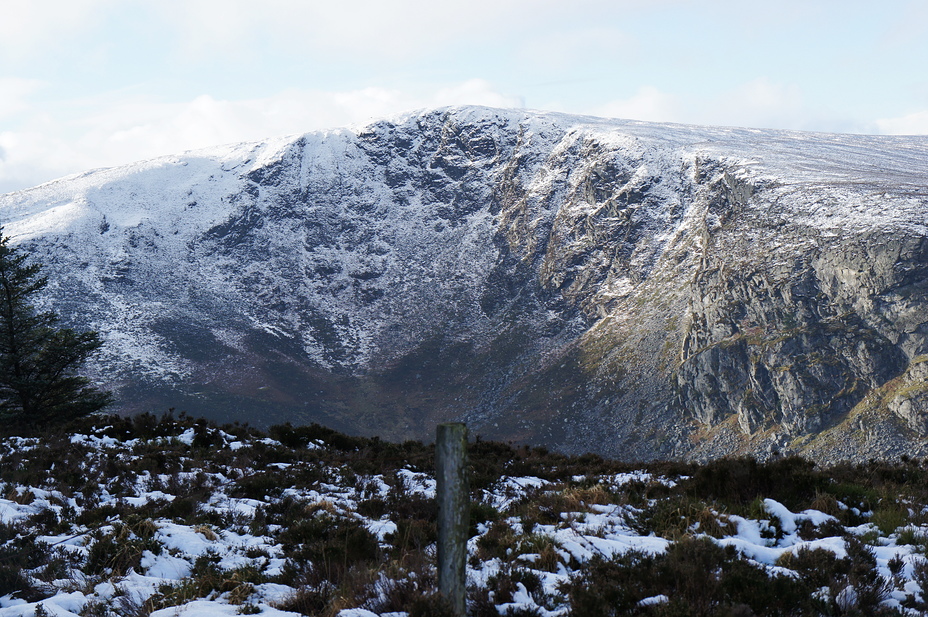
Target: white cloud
(149,129)
(15,93)
(760,103)
(121,130)
(374,29)
(473,92)
(911,124)
(31,157)
(34,27)
(764,103)
(909,27)
(766,95)
(349,27)
(240,55)
(648,103)
(561,49)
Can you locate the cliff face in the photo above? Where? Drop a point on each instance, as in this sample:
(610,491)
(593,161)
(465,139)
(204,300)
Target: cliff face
(635,289)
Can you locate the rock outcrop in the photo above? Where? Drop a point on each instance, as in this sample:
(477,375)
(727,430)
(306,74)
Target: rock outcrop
(634,289)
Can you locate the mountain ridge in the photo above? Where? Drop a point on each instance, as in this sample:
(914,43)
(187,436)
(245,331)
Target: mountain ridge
(634,289)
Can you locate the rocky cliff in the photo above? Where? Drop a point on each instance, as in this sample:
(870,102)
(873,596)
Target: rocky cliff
(634,289)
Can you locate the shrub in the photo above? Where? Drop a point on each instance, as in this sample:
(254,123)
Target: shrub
(870,587)
(401,583)
(327,548)
(431,605)
(258,486)
(890,517)
(920,576)
(505,584)
(542,545)
(415,517)
(792,481)
(828,529)
(307,600)
(119,550)
(915,537)
(497,543)
(698,576)
(818,566)
(207,577)
(675,518)
(481,512)
(611,587)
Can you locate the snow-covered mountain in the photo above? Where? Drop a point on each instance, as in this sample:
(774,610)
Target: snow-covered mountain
(635,289)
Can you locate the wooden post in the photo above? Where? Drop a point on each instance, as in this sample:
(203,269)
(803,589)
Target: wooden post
(453,494)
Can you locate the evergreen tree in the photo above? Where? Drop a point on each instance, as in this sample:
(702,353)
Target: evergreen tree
(38,361)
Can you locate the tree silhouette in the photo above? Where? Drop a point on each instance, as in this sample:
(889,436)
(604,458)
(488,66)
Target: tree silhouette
(38,361)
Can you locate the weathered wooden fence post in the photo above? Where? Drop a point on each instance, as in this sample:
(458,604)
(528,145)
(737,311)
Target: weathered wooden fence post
(453,494)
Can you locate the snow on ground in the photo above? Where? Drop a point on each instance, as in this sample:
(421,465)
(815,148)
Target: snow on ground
(552,550)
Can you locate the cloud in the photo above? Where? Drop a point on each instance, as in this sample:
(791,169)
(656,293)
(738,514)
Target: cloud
(149,129)
(473,92)
(909,27)
(648,103)
(145,129)
(760,103)
(349,27)
(757,103)
(28,28)
(561,49)
(911,124)
(765,103)
(123,129)
(766,95)
(15,93)
(377,30)
(28,158)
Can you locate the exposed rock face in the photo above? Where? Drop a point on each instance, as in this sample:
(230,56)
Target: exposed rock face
(634,289)
(909,399)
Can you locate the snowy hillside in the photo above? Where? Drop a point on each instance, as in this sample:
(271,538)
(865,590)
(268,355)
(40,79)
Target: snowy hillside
(176,517)
(635,289)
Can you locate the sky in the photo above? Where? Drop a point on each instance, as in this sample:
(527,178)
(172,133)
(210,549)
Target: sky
(96,83)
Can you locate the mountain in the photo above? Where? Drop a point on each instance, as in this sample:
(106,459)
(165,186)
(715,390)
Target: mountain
(639,290)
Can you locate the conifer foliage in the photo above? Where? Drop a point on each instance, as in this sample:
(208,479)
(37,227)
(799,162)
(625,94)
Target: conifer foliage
(38,361)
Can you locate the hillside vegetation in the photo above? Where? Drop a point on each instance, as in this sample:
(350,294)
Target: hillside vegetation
(176,516)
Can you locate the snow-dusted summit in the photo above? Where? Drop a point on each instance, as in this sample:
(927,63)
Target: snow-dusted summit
(635,289)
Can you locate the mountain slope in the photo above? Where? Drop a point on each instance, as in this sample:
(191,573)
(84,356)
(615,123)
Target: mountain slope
(636,289)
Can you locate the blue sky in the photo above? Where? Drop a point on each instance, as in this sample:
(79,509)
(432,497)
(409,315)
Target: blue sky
(89,83)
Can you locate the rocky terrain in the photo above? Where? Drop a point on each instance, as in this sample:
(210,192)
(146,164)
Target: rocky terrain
(639,290)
